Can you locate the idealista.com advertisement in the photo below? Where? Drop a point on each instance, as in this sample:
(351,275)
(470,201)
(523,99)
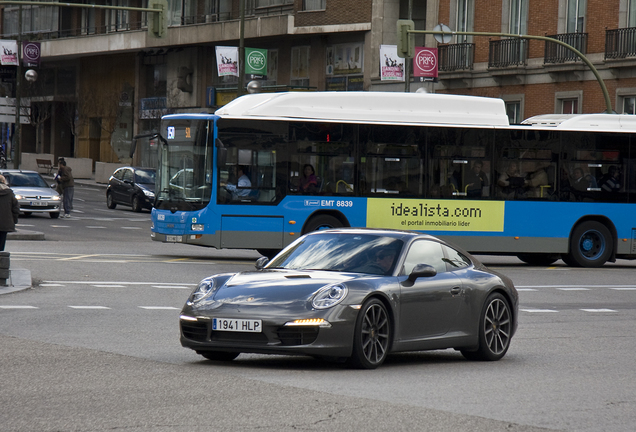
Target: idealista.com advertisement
(435,215)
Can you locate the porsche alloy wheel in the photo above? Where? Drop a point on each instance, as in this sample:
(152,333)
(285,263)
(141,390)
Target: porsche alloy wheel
(372,336)
(495,330)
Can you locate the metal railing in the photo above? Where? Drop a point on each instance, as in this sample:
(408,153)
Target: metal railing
(620,43)
(555,53)
(507,52)
(460,56)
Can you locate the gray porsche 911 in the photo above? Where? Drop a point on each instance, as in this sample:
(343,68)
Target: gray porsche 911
(356,294)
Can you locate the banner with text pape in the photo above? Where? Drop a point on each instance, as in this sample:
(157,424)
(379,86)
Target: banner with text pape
(227,61)
(425,62)
(391,66)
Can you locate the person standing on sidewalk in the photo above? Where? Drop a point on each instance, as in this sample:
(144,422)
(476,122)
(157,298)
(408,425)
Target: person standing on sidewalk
(9,211)
(65,177)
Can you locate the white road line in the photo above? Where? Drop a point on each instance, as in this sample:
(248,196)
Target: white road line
(624,289)
(109,286)
(171,287)
(162,284)
(158,307)
(51,285)
(538,310)
(573,289)
(89,307)
(598,310)
(132,228)
(526,289)
(95,227)
(18,307)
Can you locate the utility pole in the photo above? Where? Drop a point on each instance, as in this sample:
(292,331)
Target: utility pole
(408,64)
(241,59)
(17,156)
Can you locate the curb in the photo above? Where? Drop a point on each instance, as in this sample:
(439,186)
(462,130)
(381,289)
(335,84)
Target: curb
(25,235)
(19,280)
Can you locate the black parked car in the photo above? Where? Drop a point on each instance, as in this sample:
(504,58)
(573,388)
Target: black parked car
(131,186)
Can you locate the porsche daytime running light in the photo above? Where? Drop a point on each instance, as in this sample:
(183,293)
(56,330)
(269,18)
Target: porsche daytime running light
(329,296)
(308,322)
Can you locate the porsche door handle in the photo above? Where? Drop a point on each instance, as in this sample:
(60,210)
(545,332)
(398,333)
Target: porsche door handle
(455,290)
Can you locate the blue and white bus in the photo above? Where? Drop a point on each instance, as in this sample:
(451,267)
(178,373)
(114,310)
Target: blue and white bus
(555,187)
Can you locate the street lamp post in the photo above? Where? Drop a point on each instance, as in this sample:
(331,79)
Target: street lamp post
(17,156)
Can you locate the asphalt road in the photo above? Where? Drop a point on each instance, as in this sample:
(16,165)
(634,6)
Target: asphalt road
(94,346)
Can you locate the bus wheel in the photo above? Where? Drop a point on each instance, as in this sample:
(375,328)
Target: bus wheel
(591,245)
(322,222)
(538,259)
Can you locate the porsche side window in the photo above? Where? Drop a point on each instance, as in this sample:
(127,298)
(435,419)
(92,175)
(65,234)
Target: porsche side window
(425,252)
(455,259)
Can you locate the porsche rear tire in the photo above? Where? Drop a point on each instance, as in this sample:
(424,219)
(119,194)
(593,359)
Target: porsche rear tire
(219,355)
(372,336)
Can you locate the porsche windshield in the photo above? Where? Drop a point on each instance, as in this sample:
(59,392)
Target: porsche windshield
(184,176)
(359,253)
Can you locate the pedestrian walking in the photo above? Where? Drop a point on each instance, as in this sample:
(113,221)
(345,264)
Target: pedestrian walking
(67,184)
(9,211)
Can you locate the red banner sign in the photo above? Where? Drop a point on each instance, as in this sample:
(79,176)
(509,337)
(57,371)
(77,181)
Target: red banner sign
(425,62)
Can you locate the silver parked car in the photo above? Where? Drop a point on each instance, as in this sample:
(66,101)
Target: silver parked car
(33,193)
(356,294)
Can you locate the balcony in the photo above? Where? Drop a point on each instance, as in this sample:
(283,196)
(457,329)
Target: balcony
(620,43)
(507,52)
(456,57)
(556,53)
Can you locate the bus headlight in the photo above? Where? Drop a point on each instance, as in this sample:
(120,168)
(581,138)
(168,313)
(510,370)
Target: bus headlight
(197,227)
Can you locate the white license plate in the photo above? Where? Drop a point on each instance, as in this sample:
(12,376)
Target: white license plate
(37,203)
(174,239)
(237,325)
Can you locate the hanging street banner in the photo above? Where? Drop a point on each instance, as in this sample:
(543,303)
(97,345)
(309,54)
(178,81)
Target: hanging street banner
(8,52)
(31,54)
(227,61)
(391,66)
(256,61)
(425,62)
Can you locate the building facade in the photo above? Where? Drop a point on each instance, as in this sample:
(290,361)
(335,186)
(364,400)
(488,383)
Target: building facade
(103,79)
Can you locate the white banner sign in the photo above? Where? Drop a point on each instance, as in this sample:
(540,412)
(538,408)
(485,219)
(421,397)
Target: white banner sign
(227,61)
(8,52)
(391,66)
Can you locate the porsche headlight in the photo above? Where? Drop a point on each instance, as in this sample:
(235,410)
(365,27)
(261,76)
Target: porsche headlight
(329,295)
(206,287)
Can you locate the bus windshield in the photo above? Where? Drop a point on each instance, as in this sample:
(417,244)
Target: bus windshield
(184,177)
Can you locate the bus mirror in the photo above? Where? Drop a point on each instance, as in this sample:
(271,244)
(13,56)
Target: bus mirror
(133,146)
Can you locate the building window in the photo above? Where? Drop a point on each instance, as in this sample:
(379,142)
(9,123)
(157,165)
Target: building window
(119,19)
(89,26)
(418,15)
(266,3)
(35,19)
(311,5)
(465,15)
(569,106)
(576,16)
(513,109)
(631,13)
(300,66)
(629,105)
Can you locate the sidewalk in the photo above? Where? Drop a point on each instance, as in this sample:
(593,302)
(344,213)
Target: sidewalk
(20,279)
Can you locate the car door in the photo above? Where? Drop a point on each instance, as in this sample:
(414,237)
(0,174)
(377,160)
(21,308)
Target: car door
(116,185)
(429,305)
(128,186)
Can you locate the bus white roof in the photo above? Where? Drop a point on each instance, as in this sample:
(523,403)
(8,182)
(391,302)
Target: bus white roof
(590,122)
(372,107)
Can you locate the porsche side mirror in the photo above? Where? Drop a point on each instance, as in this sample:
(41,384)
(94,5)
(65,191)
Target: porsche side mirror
(261,262)
(422,270)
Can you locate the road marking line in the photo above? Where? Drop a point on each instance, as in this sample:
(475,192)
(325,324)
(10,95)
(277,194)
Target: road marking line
(538,310)
(598,310)
(89,307)
(18,307)
(94,227)
(573,289)
(171,287)
(526,289)
(624,289)
(78,257)
(109,286)
(50,285)
(117,283)
(132,228)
